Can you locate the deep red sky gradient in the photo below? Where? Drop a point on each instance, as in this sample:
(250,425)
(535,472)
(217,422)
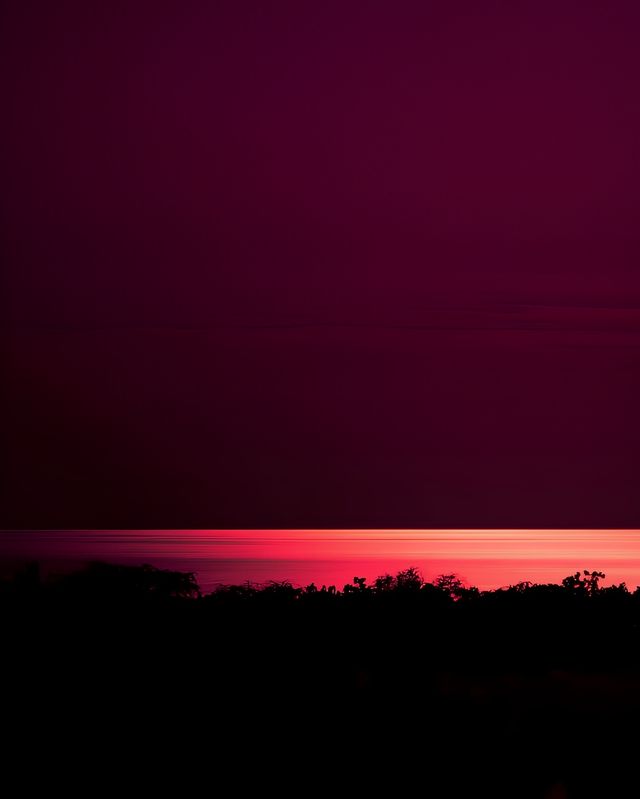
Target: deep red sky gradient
(485,558)
(320,264)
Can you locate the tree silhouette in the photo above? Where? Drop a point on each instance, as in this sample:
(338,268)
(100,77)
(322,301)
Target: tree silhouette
(409,580)
(385,582)
(450,584)
(585,583)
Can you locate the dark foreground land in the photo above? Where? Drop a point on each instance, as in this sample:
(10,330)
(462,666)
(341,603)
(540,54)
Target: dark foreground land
(401,687)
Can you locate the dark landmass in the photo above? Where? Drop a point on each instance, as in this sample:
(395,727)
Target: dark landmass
(434,688)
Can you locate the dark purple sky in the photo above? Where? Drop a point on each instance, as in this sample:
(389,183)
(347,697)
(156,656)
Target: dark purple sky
(320,264)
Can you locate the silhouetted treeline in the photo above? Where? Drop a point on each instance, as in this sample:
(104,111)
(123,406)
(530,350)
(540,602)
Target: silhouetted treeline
(99,581)
(525,688)
(578,623)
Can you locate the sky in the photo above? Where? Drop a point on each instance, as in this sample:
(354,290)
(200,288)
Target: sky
(487,559)
(320,265)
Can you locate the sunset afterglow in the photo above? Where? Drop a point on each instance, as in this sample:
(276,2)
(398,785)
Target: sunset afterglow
(486,558)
